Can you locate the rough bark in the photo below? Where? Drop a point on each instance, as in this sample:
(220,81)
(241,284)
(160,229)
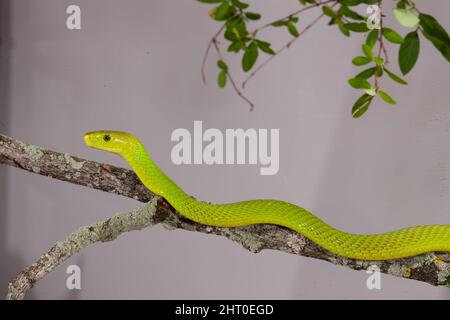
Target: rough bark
(432,268)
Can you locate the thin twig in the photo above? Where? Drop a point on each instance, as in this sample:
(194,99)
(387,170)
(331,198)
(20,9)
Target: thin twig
(208,48)
(286,46)
(414,7)
(380,43)
(214,41)
(386,57)
(293,14)
(233,83)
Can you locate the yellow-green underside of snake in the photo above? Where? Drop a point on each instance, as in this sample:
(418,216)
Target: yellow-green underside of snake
(401,243)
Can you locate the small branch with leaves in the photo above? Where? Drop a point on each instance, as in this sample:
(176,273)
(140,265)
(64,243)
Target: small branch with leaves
(236,18)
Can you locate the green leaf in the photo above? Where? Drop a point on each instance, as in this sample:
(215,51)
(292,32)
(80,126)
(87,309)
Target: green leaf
(443,47)
(343,28)
(222,65)
(253,15)
(406,18)
(401,4)
(359,83)
(378,60)
(279,23)
(387,98)
(222,78)
(367,50)
(357,27)
(392,36)
(235,46)
(351,14)
(361,105)
(230,35)
(433,28)
(293,19)
(236,28)
(239,4)
(292,29)
(378,71)
(360,61)
(250,56)
(366,74)
(436,34)
(329,12)
(350,2)
(395,77)
(372,38)
(221,12)
(409,52)
(264,46)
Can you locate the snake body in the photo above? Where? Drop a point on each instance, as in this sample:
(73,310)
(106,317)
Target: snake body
(391,245)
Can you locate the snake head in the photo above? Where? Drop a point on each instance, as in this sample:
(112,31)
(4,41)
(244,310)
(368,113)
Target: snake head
(113,141)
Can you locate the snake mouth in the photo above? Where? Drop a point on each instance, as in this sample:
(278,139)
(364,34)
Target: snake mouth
(92,139)
(87,139)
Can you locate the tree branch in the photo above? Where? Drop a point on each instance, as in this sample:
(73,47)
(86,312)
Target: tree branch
(65,167)
(432,268)
(103,231)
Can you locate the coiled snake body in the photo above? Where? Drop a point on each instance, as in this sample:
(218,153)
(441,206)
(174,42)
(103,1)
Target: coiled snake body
(391,245)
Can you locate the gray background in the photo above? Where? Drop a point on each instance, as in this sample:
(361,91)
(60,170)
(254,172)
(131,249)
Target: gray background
(135,66)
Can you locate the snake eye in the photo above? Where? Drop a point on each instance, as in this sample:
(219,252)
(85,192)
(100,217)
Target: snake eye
(106,137)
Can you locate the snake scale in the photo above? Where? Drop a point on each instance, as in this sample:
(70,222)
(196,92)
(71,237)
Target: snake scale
(401,243)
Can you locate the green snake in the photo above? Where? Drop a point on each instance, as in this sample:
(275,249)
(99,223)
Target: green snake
(401,243)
